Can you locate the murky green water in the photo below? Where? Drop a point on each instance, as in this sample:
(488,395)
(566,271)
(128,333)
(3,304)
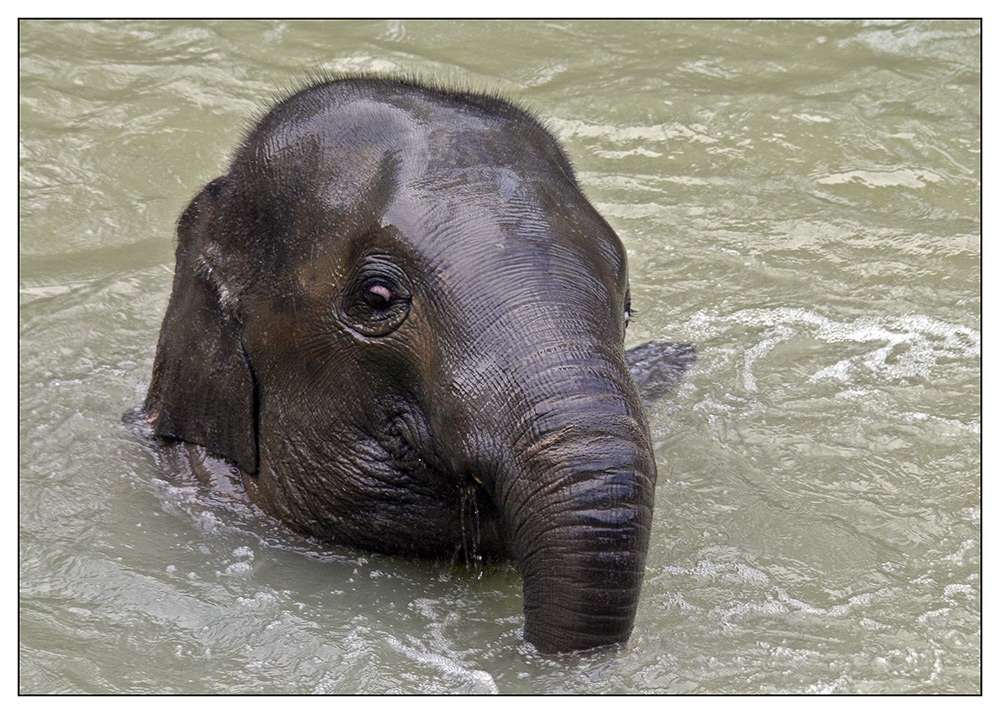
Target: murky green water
(800,199)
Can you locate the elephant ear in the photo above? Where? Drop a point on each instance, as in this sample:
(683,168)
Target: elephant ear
(203,388)
(657,367)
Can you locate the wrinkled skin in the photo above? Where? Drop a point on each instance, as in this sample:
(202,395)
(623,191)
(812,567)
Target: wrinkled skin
(403,322)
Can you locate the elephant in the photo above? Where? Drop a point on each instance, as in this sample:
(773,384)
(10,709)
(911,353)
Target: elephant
(400,320)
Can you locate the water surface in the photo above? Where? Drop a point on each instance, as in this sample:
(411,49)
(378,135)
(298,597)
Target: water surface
(799,199)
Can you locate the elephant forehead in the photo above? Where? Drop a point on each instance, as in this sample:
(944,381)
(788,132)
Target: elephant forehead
(463,185)
(352,137)
(499,221)
(349,160)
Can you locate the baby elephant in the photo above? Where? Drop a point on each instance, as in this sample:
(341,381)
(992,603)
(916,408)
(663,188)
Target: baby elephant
(400,318)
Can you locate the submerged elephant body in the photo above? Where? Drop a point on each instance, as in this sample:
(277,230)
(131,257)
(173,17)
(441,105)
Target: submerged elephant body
(401,319)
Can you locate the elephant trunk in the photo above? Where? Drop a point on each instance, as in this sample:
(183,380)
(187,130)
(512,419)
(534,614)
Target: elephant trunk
(578,520)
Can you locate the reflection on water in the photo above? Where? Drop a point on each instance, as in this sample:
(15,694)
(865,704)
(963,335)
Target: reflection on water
(799,199)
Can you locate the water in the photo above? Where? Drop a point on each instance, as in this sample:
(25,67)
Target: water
(799,199)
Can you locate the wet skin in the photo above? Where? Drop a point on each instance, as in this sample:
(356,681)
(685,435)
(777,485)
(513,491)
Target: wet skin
(399,317)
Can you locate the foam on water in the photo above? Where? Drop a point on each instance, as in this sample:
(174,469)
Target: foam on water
(916,343)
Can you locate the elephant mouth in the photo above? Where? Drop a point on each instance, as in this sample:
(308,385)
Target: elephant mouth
(468,517)
(479,526)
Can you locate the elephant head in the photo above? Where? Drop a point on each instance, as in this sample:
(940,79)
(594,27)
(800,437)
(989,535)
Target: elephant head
(402,320)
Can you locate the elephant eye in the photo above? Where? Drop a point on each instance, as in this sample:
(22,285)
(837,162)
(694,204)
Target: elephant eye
(379,295)
(377,306)
(629,312)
